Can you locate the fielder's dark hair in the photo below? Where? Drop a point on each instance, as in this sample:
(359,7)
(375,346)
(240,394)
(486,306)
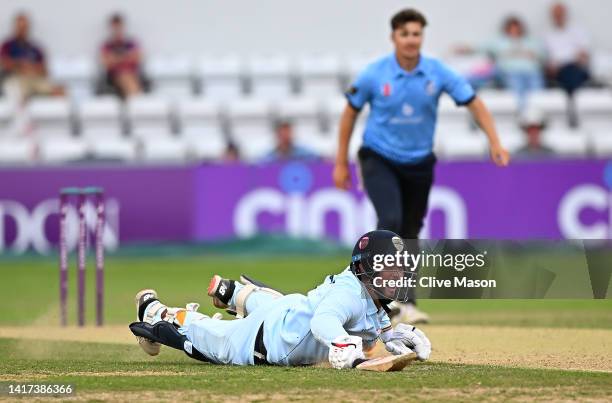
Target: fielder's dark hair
(282,123)
(407,15)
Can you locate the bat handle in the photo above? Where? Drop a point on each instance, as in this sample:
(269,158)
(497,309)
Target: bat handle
(358,361)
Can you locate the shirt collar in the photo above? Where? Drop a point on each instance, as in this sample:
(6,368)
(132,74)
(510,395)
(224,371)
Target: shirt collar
(371,306)
(398,71)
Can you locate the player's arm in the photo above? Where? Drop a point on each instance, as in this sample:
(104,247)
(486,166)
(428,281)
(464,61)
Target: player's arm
(463,94)
(327,326)
(342,176)
(357,96)
(485,121)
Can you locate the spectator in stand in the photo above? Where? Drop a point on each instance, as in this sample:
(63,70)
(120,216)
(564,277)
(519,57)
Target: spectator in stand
(567,48)
(285,148)
(517,59)
(533,123)
(231,153)
(121,58)
(24,64)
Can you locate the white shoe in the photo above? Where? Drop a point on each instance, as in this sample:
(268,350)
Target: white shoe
(150,347)
(407,313)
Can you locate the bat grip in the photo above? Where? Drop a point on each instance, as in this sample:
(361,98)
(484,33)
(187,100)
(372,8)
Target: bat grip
(358,361)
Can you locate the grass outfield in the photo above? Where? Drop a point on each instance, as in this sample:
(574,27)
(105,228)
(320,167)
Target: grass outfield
(483,349)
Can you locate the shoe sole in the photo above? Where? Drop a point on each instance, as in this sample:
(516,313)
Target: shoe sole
(212,289)
(150,347)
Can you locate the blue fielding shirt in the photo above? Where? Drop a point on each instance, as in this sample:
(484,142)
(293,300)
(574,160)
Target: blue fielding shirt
(404,105)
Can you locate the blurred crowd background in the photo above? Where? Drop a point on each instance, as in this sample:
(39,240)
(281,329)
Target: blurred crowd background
(544,70)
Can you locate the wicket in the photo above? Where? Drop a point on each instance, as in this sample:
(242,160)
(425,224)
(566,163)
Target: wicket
(81,194)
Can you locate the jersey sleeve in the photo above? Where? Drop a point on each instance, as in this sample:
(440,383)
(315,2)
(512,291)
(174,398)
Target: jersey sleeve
(333,312)
(361,91)
(385,322)
(456,86)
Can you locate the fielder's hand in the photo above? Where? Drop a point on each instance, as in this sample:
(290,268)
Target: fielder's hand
(342,176)
(344,350)
(405,338)
(499,155)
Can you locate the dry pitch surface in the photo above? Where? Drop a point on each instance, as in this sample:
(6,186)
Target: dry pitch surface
(546,348)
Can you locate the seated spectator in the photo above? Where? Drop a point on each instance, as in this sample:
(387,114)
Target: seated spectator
(533,123)
(517,58)
(567,48)
(231,153)
(121,59)
(285,148)
(24,65)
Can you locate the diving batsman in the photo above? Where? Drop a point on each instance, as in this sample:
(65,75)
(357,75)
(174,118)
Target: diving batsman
(335,322)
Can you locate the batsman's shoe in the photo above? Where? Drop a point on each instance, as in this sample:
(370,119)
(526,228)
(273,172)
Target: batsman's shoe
(144,298)
(221,291)
(407,313)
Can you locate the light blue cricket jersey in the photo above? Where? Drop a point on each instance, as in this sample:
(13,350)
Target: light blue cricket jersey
(300,329)
(404,105)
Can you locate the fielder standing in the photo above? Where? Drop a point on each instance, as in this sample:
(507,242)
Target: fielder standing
(397,159)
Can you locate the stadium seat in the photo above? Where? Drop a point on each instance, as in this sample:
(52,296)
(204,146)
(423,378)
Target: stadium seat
(503,106)
(595,109)
(172,76)
(601,66)
(50,115)
(302,112)
(463,145)
(601,143)
(76,74)
(332,109)
(198,114)
(319,75)
(321,143)
(470,65)
(248,116)
(270,76)
(16,150)
(99,114)
(356,63)
(164,149)
(553,103)
(62,149)
(250,127)
(111,147)
(221,77)
(568,143)
(256,148)
(204,144)
(511,138)
(7,111)
(148,114)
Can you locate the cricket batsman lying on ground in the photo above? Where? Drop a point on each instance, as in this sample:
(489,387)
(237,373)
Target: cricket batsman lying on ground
(337,321)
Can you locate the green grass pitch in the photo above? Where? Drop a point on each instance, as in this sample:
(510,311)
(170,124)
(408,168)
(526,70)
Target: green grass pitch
(121,371)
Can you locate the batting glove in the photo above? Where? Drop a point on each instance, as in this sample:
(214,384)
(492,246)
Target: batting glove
(405,338)
(344,350)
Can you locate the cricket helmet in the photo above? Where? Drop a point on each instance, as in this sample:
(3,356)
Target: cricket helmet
(367,263)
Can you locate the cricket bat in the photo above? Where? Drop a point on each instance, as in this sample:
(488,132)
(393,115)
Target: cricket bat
(387,364)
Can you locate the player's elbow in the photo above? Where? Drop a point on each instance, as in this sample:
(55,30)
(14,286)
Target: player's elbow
(350,112)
